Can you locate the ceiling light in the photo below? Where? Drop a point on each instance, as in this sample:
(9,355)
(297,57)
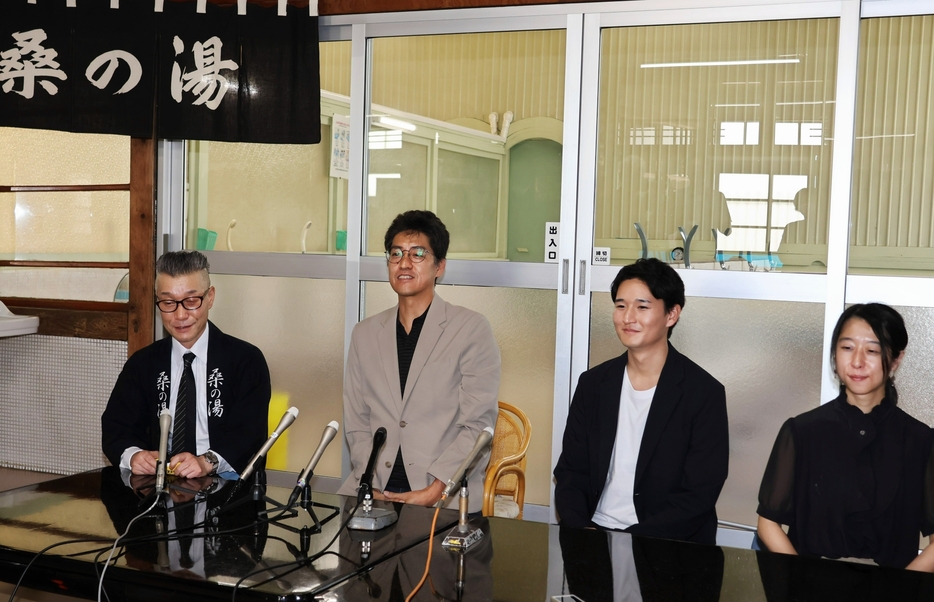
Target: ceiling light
(722,63)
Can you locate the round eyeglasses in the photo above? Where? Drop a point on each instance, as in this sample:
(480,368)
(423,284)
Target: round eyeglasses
(416,254)
(168,306)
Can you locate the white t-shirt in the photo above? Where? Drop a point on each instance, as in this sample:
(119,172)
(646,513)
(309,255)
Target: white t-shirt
(616,509)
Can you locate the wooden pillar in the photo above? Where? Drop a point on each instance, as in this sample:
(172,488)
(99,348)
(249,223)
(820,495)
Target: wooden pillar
(140,318)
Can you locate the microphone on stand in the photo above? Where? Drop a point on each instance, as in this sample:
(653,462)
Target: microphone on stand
(366,517)
(462,536)
(366,481)
(165,426)
(486,435)
(327,436)
(285,422)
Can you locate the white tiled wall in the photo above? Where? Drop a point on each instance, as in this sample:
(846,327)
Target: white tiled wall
(52,393)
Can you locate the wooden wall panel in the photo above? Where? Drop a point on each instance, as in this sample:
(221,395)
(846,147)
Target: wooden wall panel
(140,319)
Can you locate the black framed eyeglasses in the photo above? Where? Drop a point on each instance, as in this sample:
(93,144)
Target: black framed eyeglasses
(168,306)
(416,254)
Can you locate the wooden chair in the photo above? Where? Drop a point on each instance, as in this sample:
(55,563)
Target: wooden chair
(505,474)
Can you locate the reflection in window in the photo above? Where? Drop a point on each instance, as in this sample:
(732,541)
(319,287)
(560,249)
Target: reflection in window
(276,197)
(735,141)
(447,110)
(891,216)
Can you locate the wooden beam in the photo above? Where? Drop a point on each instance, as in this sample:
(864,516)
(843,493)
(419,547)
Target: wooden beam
(140,319)
(66,188)
(82,319)
(350,7)
(106,306)
(24,263)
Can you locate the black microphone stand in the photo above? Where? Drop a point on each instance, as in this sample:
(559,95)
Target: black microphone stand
(267,505)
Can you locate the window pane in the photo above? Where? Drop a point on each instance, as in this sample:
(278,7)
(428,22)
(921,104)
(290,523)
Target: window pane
(65,226)
(263,197)
(469,99)
(44,157)
(468,195)
(298,323)
(528,355)
(275,197)
(398,178)
(733,137)
(83,284)
(892,219)
(767,354)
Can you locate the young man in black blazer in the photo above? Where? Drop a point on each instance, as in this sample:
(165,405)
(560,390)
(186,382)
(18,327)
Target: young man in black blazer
(646,445)
(223,420)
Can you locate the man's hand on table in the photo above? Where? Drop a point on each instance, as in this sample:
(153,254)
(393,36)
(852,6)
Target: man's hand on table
(428,496)
(189,466)
(144,462)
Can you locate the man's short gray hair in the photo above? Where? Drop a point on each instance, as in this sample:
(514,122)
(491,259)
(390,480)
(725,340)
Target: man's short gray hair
(182,263)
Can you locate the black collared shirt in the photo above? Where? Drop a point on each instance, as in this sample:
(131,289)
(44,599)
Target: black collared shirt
(850,484)
(405,350)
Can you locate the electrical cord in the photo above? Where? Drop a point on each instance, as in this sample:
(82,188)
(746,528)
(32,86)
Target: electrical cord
(431,543)
(100,584)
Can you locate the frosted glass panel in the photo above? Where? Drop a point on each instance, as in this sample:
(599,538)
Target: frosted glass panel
(913,379)
(298,323)
(470,98)
(733,138)
(34,157)
(398,181)
(523,324)
(892,180)
(768,356)
(77,226)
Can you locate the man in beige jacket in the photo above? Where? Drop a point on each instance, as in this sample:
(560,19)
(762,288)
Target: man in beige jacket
(426,370)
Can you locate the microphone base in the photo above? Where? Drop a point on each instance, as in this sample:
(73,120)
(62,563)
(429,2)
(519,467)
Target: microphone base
(456,540)
(374,520)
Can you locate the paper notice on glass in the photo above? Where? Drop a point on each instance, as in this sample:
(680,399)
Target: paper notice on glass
(340,147)
(552,236)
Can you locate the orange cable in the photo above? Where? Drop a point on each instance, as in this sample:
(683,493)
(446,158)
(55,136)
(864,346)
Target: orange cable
(431,542)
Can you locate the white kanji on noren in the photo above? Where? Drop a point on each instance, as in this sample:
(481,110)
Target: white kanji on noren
(205,81)
(31,62)
(112,60)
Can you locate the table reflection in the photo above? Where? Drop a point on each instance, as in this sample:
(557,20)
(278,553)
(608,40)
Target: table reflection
(617,567)
(454,575)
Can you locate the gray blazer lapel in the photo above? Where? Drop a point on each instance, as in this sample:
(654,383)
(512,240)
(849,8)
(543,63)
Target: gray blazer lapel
(666,399)
(389,356)
(431,332)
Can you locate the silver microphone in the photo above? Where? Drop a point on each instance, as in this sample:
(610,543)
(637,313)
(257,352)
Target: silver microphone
(482,441)
(330,431)
(165,426)
(285,422)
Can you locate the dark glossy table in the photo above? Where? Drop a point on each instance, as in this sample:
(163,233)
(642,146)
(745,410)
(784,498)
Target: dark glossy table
(191,565)
(514,561)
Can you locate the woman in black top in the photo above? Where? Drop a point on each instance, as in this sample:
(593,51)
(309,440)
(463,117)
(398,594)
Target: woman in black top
(854,477)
